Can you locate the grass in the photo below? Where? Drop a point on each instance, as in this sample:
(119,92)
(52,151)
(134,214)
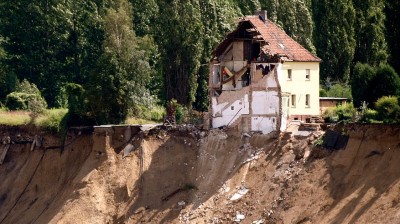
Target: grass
(51,119)
(14,118)
(134,120)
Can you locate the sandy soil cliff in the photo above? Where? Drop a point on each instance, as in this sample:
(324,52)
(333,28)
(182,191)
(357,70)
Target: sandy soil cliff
(184,175)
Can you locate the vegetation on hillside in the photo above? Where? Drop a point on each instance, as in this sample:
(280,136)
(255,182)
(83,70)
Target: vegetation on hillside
(109,60)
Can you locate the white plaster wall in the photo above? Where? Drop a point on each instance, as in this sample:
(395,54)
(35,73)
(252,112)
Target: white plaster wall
(240,107)
(264,103)
(263,124)
(216,108)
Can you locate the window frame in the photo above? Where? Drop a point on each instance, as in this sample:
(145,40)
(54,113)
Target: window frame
(308,100)
(293,100)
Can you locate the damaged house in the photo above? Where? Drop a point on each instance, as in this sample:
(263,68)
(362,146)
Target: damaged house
(261,79)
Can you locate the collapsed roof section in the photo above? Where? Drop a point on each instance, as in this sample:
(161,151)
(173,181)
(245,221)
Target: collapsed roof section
(274,42)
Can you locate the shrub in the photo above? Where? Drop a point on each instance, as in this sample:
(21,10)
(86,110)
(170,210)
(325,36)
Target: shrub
(388,109)
(339,90)
(340,113)
(25,101)
(27,97)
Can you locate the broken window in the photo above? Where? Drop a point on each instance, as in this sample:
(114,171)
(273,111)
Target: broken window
(293,100)
(307,74)
(246,79)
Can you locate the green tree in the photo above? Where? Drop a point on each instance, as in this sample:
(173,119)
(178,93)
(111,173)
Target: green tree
(247,7)
(360,83)
(386,82)
(392,11)
(334,37)
(371,46)
(145,14)
(295,17)
(340,90)
(119,78)
(181,45)
(36,34)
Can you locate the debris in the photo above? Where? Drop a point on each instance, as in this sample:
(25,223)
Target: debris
(246,135)
(181,204)
(261,221)
(241,192)
(128,148)
(239,217)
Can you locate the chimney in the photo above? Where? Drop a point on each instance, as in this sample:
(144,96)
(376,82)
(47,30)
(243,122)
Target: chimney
(262,14)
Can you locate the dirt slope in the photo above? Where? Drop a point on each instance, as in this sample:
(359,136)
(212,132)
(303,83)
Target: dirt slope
(188,176)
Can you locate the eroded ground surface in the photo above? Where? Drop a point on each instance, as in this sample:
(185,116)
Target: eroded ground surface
(184,175)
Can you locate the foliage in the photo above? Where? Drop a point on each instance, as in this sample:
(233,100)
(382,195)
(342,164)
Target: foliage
(360,83)
(51,120)
(121,72)
(295,17)
(14,118)
(388,109)
(371,46)
(339,90)
(386,82)
(26,97)
(392,23)
(180,48)
(323,93)
(334,37)
(340,113)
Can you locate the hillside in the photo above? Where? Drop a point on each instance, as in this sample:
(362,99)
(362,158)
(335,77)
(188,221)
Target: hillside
(183,175)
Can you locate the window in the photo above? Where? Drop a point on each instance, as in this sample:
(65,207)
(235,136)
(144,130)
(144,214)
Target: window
(232,108)
(307,100)
(289,74)
(307,74)
(293,100)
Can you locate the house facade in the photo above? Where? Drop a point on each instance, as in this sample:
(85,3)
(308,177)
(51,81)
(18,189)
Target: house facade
(261,79)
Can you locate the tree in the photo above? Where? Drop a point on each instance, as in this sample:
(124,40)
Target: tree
(371,83)
(371,46)
(392,22)
(334,37)
(386,82)
(295,17)
(145,13)
(181,46)
(360,83)
(36,34)
(121,73)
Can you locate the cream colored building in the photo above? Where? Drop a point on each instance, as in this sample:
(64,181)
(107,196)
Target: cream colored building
(261,79)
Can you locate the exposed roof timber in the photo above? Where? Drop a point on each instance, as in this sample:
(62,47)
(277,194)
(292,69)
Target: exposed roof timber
(252,30)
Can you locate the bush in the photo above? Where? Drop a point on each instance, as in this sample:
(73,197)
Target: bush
(339,90)
(340,113)
(25,101)
(388,109)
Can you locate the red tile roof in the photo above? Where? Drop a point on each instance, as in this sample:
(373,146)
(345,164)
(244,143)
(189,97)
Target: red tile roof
(278,42)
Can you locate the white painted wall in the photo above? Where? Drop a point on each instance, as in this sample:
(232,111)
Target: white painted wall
(263,124)
(231,113)
(264,103)
(300,86)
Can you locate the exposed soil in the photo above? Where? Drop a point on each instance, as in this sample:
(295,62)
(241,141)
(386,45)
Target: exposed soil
(182,175)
